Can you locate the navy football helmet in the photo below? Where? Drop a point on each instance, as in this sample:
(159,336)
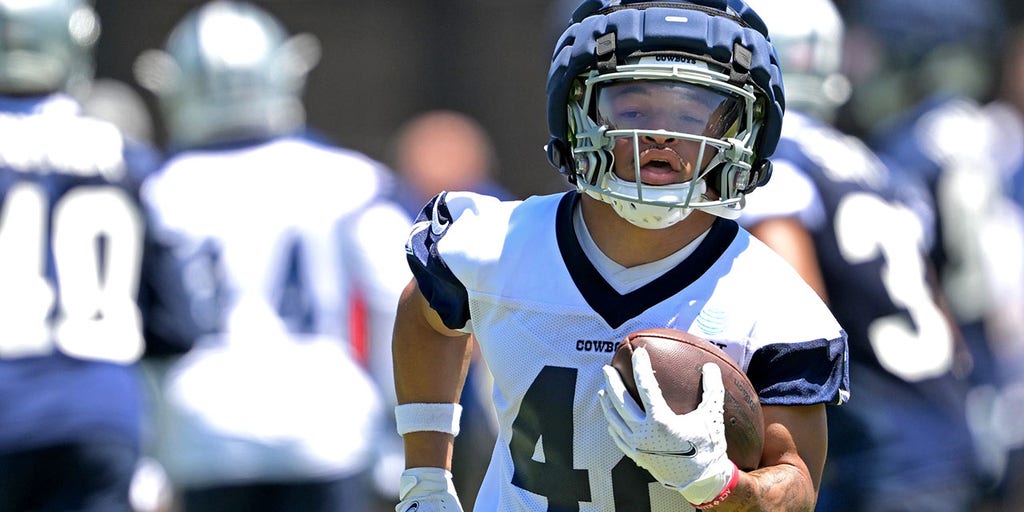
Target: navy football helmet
(229,71)
(46,46)
(713,56)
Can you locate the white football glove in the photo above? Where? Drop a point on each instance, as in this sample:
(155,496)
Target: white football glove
(684,452)
(427,490)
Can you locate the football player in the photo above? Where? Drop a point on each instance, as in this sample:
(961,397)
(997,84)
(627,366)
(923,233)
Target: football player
(272,411)
(869,242)
(662,115)
(85,284)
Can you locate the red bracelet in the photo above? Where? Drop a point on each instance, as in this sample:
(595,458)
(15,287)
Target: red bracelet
(722,496)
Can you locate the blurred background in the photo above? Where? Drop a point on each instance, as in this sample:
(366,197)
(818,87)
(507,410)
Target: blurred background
(387,60)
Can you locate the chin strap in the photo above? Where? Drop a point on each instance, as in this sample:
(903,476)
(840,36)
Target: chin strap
(725,211)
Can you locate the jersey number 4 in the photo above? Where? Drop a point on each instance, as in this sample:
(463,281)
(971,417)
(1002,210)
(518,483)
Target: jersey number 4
(542,450)
(88,310)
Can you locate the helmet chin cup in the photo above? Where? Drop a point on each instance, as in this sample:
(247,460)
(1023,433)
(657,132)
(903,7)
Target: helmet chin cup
(660,207)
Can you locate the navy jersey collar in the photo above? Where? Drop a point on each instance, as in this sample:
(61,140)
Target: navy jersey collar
(617,308)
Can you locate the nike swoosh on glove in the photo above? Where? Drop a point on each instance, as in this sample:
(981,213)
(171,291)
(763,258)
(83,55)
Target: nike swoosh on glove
(686,452)
(427,490)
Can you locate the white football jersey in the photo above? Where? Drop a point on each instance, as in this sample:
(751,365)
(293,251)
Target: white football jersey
(282,236)
(514,274)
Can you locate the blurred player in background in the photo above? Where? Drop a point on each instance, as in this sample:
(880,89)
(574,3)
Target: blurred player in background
(918,74)
(867,236)
(662,115)
(442,150)
(272,412)
(86,287)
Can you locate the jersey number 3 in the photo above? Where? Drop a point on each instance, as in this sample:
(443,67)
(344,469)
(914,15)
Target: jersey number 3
(88,311)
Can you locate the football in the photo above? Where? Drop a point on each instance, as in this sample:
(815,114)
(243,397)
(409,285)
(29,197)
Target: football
(677,357)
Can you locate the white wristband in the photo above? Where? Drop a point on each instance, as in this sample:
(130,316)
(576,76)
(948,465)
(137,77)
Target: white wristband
(421,417)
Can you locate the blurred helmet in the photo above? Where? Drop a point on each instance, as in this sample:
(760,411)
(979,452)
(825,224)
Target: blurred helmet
(712,55)
(46,45)
(808,36)
(229,72)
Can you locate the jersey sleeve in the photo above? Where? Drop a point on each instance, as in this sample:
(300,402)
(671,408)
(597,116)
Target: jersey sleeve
(805,373)
(799,351)
(445,293)
(455,239)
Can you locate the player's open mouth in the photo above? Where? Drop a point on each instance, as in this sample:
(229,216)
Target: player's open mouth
(660,166)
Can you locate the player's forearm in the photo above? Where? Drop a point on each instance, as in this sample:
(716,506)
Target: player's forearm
(430,367)
(428,450)
(782,488)
(793,459)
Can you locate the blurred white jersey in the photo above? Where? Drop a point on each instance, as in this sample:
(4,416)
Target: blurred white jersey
(290,231)
(515,275)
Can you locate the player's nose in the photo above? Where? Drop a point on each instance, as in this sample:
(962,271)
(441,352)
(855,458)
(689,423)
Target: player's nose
(659,139)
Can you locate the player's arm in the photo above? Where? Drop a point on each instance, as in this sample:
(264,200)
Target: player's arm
(431,362)
(788,237)
(795,445)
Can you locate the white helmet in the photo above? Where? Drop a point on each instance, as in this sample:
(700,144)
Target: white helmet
(808,36)
(229,72)
(46,45)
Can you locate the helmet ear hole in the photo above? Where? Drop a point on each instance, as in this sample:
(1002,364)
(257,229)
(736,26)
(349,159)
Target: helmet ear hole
(762,172)
(558,156)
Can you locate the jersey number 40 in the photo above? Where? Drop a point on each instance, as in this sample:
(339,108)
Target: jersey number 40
(87,308)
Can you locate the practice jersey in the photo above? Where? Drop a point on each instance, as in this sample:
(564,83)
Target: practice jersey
(872,249)
(291,231)
(75,262)
(515,275)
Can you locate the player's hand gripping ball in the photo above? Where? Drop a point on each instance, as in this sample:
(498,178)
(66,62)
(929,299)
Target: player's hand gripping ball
(677,358)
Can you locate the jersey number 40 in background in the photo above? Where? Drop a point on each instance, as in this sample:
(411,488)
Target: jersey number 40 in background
(87,310)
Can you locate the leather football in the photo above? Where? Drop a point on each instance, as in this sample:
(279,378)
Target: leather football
(677,357)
